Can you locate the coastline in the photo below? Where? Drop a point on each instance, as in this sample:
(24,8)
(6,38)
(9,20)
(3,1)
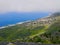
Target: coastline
(14,24)
(21,22)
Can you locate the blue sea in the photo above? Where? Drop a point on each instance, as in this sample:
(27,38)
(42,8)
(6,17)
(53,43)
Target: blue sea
(14,17)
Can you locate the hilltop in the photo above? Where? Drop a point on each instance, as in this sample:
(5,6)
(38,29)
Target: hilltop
(43,30)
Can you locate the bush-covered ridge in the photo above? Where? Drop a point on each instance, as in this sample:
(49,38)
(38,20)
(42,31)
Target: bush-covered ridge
(45,30)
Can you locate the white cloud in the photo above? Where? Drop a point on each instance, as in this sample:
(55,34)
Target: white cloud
(29,5)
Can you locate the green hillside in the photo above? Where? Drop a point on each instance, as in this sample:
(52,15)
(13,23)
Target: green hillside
(45,32)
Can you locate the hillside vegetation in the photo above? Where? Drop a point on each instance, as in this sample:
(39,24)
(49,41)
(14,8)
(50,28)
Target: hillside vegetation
(45,30)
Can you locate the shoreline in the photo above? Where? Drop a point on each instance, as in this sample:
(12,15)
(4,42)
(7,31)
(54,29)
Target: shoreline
(13,24)
(20,22)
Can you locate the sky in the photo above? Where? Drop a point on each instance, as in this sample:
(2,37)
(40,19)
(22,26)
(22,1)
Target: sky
(29,5)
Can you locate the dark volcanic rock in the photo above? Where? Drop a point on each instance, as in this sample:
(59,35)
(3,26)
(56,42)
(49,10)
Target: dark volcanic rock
(3,43)
(24,43)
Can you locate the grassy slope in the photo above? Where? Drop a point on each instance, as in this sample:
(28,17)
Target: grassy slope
(17,32)
(50,34)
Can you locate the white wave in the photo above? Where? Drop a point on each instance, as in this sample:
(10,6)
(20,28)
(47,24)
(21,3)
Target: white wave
(13,24)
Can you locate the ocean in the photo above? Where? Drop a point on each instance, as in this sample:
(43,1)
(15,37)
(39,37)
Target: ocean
(14,17)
